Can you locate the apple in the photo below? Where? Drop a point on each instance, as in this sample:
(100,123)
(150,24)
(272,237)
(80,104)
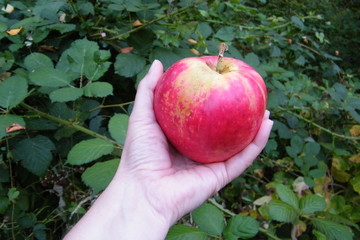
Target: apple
(210,108)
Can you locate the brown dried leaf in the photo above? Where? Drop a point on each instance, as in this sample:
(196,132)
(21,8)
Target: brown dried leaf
(14,31)
(355,158)
(14,127)
(192,41)
(196,52)
(355,131)
(126,49)
(137,23)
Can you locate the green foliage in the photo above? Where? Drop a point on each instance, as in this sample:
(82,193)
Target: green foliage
(68,77)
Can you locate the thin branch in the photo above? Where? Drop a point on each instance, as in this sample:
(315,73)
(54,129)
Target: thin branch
(320,127)
(70,124)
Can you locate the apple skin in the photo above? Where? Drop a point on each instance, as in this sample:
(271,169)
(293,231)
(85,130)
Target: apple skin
(208,115)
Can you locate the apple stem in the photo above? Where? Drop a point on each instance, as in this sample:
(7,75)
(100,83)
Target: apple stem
(222,49)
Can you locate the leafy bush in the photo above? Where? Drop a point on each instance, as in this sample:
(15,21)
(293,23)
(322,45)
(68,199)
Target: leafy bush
(68,76)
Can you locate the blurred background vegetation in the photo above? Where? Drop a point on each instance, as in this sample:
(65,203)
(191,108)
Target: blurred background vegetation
(68,77)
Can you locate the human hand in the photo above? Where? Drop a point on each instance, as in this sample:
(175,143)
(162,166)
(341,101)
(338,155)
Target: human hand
(175,185)
(155,185)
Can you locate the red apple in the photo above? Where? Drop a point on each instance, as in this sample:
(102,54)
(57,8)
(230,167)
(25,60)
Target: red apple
(209,111)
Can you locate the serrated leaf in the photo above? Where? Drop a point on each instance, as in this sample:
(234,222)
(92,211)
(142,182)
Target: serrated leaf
(12,91)
(243,227)
(287,195)
(50,77)
(209,219)
(128,65)
(85,59)
(252,59)
(300,61)
(37,60)
(275,51)
(281,211)
(35,154)
(89,150)
(183,232)
(118,125)
(66,94)
(226,33)
(297,22)
(312,203)
(98,89)
(100,174)
(332,230)
(7,120)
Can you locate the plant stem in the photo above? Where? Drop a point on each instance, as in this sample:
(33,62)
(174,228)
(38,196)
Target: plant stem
(263,230)
(111,105)
(70,124)
(222,49)
(320,127)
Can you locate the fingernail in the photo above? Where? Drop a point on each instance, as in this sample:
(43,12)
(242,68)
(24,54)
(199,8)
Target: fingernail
(152,67)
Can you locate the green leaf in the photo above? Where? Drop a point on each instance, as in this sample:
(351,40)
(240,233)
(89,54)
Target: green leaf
(355,182)
(13,194)
(66,94)
(3,27)
(50,77)
(275,51)
(118,125)
(166,56)
(243,227)
(297,22)
(209,219)
(27,221)
(311,148)
(98,89)
(252,59)
(300,61)
(39,232)
(204,29)
(100,174)
(12,91)
(226,33)
(128,65)
(89,150)
(7,60)
(312,203)
(319,235)
(61,27)
(287,195)
(85,59)
(282,212)
(183,232)
(332,230)
(35,154)
(4,203)
(36,60)
(6,121)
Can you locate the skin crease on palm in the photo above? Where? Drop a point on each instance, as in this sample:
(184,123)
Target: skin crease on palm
(154,185)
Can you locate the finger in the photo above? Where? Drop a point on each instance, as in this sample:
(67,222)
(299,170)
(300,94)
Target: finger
(266,114)
(237,164)
(145,93)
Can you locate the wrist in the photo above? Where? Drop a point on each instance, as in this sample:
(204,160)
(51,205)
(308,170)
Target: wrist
(121,212)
